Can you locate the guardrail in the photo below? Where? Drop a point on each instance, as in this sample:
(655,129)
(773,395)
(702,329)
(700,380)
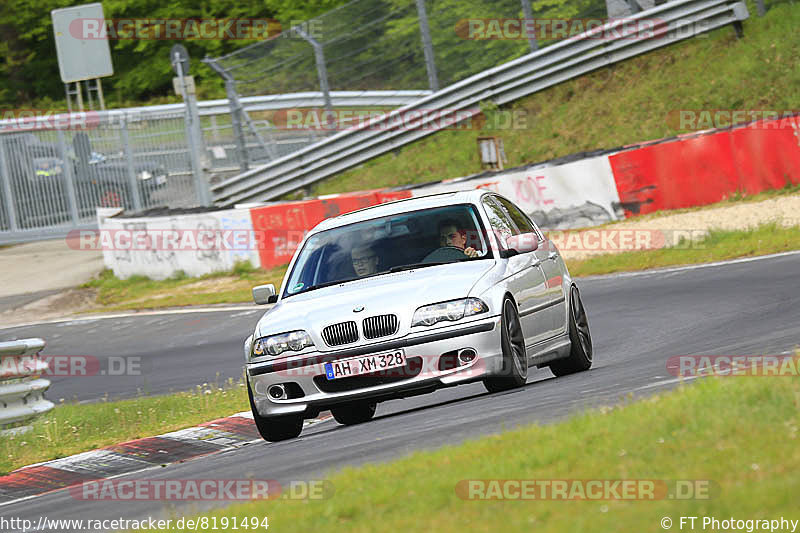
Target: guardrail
(674,21)
(268,102)
(21,386)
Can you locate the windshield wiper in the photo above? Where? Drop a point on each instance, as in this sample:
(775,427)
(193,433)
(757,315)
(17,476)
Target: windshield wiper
(327,284)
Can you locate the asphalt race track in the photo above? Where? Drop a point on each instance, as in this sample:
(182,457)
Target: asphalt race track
(637,322)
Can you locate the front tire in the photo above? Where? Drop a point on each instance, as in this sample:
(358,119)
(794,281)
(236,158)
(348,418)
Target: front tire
(354,413)
(581,351)
(275,428)
(515,361)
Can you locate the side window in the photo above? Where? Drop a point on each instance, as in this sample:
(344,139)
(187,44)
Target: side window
(522,222)
(499,220)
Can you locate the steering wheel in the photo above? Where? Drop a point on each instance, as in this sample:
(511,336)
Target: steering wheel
(444,254)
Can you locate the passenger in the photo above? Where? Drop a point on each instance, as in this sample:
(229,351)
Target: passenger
(450,235)
(365,260)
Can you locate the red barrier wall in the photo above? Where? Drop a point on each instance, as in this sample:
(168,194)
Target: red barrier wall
(281,227)
(707,168)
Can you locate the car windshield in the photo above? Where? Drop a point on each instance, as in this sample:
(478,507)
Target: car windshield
(414,239)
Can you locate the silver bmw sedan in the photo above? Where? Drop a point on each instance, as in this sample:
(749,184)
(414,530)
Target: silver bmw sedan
(406,297)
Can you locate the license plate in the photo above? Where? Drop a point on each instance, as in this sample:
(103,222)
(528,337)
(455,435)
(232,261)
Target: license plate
(366,364)
(161,180)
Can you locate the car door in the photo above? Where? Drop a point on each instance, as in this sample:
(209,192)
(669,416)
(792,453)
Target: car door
(551,266)
(524,277)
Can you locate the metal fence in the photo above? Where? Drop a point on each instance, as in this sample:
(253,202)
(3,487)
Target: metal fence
(55,170)
(54,176)
(21,386)
(549,65)
(372,45)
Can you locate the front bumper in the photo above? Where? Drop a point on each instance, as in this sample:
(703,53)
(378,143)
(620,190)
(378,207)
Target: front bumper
(312,392)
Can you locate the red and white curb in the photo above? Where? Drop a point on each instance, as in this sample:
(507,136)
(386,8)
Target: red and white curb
(208,438)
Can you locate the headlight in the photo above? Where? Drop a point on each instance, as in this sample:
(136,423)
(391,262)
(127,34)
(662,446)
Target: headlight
(452,311)
(145,175)
(277,344)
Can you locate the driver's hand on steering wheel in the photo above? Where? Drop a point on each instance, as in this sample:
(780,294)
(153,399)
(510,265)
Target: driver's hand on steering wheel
(471,252)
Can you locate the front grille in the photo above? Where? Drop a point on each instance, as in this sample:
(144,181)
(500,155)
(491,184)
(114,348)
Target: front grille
(341,333)
(383,377)
(380,326)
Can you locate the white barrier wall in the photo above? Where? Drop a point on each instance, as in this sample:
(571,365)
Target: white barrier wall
(578,194)
(196,243)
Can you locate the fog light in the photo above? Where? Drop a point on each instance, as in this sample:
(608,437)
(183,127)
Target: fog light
(277,392)
(466,356)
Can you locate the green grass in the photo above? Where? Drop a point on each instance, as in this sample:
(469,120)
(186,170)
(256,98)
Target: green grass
(140,292)
(623,104)
(72,428)
(738,433)
(717,246)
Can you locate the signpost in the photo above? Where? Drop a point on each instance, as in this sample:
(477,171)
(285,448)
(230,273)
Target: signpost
(83,57)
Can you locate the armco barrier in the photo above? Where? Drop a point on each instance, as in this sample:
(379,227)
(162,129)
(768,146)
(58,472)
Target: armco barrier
(707,167)
(21,386)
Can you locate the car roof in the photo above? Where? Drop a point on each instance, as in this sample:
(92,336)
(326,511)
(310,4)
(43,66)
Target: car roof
(402,206)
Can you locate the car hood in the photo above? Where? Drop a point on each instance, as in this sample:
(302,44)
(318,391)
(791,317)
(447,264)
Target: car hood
(400,293)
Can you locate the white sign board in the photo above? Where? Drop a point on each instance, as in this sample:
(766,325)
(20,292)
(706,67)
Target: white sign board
(82,55)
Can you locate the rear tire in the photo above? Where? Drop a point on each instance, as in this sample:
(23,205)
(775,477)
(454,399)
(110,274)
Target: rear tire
(354,413)
(580,352)
(275,428)
(515,360)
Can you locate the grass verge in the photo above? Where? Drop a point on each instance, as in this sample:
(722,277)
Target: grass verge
(740,434)
(73,428)
(717,246)
(640,99)
(140,292)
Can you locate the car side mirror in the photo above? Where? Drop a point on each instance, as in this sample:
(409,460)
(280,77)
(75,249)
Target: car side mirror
(265,294)
(522,243)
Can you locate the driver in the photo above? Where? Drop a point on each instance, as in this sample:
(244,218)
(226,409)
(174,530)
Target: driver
(450,235)
(365,260)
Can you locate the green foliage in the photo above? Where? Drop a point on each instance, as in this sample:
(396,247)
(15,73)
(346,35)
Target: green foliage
(142,71)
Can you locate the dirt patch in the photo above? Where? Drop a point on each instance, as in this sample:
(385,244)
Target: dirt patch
(66,304)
